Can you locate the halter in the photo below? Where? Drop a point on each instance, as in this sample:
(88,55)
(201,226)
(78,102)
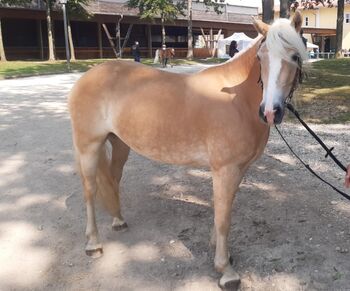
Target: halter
(298,78)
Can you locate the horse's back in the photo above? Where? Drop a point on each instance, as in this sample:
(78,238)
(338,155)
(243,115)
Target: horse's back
(146,108)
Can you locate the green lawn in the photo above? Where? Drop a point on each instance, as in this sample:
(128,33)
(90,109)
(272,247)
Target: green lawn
(324,96)
(23,69)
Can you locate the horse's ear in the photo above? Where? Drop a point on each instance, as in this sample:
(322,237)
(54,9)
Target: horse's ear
(297,21)
(260,26)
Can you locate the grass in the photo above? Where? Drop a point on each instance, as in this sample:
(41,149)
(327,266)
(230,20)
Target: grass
(324,96)
(15,69)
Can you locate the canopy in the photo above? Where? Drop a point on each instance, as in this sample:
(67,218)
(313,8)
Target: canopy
(311,45)
(223,44)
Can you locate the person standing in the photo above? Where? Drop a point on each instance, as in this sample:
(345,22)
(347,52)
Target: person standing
(233,48)
(135,51)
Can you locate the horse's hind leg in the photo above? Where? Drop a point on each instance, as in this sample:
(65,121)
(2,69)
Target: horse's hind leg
(120,153)
(88,158)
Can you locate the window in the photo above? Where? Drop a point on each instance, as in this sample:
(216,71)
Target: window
(347,17)
(306,21)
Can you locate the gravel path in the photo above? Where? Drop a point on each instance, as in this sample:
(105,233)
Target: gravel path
(289,231)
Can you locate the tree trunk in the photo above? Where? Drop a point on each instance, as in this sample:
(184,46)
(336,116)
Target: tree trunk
(285,8)
(268,11)
(189,31)
(70,40)
(163,32)
(2,49)
(49,31)
(339,31)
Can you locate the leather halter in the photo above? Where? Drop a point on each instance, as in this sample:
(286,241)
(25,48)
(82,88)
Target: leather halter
(298,78)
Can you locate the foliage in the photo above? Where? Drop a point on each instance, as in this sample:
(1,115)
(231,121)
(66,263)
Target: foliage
(165,9)
(215,4)
(77,8)
(14,2)
(313,4)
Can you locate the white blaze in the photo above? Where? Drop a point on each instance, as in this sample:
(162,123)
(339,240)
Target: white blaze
(272,92)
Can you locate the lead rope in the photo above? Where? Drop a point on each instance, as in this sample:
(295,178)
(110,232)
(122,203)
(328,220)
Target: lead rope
(329,153)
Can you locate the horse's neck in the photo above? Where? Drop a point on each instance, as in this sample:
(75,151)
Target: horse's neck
(243,66)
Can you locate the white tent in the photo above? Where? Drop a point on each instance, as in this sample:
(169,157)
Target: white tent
(223,44)
(311,45)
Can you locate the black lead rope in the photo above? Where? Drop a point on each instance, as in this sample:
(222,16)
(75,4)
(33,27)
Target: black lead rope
(329,151)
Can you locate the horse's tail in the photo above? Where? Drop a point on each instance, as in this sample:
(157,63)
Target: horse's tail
(107,190)
(156,58)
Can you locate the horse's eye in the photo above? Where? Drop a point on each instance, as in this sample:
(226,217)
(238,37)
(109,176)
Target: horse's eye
(295,58)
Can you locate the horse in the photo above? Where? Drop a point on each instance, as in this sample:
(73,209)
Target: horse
(163,55)
(218,118)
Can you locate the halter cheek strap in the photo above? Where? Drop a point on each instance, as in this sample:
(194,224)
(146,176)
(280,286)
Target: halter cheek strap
(298,78)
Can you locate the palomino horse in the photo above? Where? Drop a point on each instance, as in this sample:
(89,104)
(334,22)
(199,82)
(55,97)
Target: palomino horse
(210,118)
(164,55)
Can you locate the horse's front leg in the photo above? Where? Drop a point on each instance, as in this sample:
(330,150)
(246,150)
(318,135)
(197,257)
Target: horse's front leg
(225,184)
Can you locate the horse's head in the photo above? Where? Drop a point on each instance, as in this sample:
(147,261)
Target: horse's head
(281,54)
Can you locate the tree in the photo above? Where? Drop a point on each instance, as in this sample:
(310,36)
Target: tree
(8,3)
(75,8)
(208,3)
(284,8)
(339,30)
(189,31)
(50,35)
(268,11)
(2,49)
(166,10)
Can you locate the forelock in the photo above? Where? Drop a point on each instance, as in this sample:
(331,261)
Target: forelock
(283,38)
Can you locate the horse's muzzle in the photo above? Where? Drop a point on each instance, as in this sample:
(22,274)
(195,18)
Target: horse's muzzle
(271,117)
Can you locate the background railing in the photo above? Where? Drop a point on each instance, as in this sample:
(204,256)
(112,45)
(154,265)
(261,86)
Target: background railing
(328,55)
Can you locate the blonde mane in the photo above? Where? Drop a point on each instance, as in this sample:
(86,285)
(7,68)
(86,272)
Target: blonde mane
(283,40)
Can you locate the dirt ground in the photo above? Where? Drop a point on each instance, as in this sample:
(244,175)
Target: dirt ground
(289,231)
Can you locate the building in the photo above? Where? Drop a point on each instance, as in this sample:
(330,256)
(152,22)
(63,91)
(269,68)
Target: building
(25,31)
(319,26)
(326,18)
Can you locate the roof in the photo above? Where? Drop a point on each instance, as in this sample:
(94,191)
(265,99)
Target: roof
(231,13)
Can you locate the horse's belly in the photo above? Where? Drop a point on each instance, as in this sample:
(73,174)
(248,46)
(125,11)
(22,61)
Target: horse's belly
(173,152)
(180,156)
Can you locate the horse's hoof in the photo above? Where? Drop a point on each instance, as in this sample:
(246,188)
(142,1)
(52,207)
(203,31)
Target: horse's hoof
(230,282)
(96,253)
(121,227)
